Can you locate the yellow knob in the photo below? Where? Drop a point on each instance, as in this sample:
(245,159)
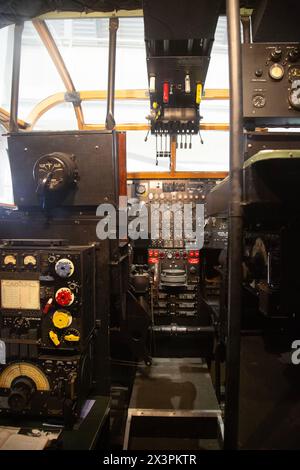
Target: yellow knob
(61,319)
(72,337)
(155,105)
(54,338)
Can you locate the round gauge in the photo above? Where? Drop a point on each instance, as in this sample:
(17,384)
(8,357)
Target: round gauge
(140,189)
(276,71)
(10,259)
(30,260)
(169,255)
(259,101)
(294,96)
(54,172)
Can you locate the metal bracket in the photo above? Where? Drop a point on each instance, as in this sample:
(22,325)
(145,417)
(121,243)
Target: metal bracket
(73,97)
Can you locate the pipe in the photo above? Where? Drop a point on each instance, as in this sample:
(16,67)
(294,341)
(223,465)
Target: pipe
(235,229)
(113,28)
(14,100)
(246,29)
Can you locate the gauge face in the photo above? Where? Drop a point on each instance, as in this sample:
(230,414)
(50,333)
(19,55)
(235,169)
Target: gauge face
(294,97)
(276,71)
(10,259)
(55,171)
(259,101)
(140,189)
(30,260)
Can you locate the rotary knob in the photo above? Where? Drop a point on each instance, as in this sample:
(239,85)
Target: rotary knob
(64,267)
(22,389)
(276,54)
(61,319)
(72,336)
(64,297)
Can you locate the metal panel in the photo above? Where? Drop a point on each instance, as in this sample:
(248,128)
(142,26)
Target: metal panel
(95,156)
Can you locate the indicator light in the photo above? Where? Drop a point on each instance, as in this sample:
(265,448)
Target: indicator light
(177,255)
(155,253)
(150,253)
(191,254)
(193,260)
(153,260)
(161,255)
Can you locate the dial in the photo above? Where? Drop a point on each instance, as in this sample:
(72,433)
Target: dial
(64,267)
(140,189)
(64,296)
(29,260)
(61,319)
(276,71)
(10,259)
(259,101)
(294,97)
(54,172)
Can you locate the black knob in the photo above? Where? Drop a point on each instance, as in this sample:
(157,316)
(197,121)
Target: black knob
(258,72)
(276,54)
(293,55)
(21,390)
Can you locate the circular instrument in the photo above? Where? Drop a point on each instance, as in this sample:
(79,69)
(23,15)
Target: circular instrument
(21,390)
(10,259)
(61,319)
(64,267)
(24,369)
(140,189)
(294,96)
(64,296)
(55,171)
(29,260)
(259,101)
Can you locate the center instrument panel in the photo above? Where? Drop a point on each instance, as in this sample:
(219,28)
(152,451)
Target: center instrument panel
(174,264)
(169,193)
(47,319)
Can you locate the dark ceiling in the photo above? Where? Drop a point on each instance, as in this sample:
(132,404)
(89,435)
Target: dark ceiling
(19,10)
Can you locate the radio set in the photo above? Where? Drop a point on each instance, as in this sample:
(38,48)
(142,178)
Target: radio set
(47,319)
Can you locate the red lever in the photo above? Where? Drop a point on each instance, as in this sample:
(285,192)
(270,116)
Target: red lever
(47,306)
(166,92)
